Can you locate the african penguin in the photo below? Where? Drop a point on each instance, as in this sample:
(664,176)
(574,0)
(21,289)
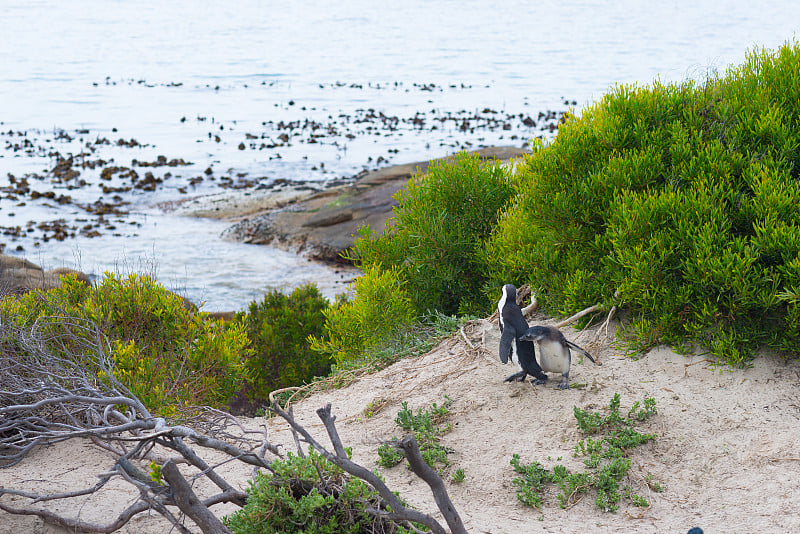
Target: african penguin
(513,325)
(554,354)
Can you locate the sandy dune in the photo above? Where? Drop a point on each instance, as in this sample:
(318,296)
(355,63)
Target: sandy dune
(727,443)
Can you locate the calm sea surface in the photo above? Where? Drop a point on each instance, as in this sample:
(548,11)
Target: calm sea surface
(352,85)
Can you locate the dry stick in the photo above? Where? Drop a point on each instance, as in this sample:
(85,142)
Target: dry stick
(469,343)
(207,470)
(432,478)
(587,311)
(76,525)
(399,511)
(188,502)
(530,308)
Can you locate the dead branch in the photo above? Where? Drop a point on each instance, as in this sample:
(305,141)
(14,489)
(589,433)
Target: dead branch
(48,396)
(582,313)
(434,481)
(188,502)
(399,512)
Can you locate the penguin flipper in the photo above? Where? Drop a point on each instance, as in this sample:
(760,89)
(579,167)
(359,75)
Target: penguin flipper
(581,350)
(507,340)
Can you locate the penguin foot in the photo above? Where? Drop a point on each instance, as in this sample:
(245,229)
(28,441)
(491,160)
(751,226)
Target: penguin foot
(538,381)
(563,385)
(518,377)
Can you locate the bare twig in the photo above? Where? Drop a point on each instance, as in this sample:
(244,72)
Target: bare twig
(570,320)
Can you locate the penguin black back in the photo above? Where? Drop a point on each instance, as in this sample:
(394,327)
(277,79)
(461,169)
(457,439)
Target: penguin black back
(512,326)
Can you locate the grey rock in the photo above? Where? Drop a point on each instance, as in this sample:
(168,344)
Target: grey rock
(324,224)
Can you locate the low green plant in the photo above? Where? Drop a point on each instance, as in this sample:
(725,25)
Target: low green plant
(427,425)
(278,328)
(459,476)
(309,495)
(439,224)
(606,460)
(155,473)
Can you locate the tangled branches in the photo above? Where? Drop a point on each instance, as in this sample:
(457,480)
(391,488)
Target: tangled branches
(63,388)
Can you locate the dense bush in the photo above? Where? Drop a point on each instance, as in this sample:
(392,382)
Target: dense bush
(380,311)
(439,225)
(277,329)
(168,357)
(680,202)
(309,495)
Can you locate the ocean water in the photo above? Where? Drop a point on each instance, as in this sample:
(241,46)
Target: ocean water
(251,93)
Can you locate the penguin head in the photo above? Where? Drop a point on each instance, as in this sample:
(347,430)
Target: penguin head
(695,530)
(510,293)
(534,333)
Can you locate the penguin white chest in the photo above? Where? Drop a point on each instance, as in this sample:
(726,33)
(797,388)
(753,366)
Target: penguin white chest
(554,357)
(500,305)
(515,356)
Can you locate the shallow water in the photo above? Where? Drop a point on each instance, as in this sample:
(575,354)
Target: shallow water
(211,84)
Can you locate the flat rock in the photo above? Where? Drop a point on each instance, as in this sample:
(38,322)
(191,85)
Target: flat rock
(18,276)
(323,225)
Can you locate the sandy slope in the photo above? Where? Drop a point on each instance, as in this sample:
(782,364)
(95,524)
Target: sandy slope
(727,447)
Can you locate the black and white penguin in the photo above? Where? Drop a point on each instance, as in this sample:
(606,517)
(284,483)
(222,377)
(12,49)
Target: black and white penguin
(554,354)
(512,326)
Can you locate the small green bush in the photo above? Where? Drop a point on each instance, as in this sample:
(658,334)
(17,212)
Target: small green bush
(679,202)
(295,501)
(168,357)
(427,428)
(380,312)
(607,460)
(277,328)
(439,226)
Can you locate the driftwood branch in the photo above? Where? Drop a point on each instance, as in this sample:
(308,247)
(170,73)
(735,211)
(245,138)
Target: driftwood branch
(188,502)
(48,396)
(582,313)
(434,481)
(399,512)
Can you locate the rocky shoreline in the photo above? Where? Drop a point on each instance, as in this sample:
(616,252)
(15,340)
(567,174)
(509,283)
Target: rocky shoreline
(322,225)
(317,221)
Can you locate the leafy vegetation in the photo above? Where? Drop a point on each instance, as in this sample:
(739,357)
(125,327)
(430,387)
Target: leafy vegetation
(679,202)
(277,329)
(380,313)
(309,495)
(606,460)
(439,224)
(427,428)
(167,356)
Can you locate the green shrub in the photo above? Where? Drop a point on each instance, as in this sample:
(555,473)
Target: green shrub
(680,202)
(379,312)
(427,428)
(439,226)
(168,357)
(606,460)
(277,329)
(294,500)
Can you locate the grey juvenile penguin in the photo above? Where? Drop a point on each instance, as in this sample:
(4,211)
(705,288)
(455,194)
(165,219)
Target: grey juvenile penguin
(512,326)
(554,353)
